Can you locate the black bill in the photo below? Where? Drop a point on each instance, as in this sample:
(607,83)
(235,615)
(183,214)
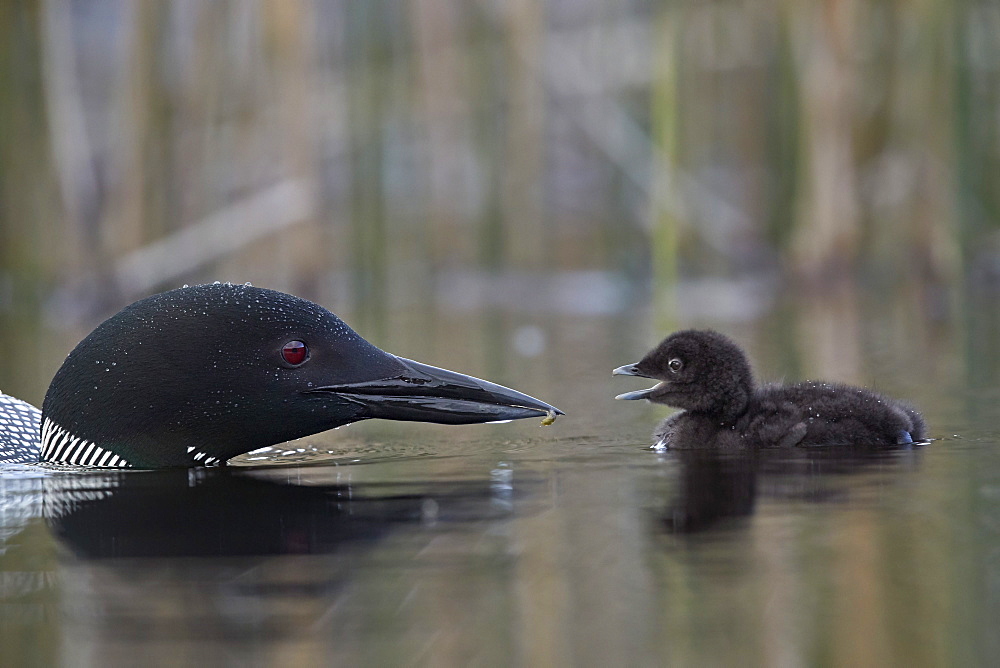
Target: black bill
(424,393)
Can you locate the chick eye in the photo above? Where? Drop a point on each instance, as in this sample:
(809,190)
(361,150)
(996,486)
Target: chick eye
(675,365)
(295,353)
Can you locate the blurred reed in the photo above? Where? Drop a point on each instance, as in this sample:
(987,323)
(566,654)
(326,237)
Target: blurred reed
(441,153)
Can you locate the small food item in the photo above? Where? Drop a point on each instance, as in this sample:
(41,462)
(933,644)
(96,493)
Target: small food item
(548,419)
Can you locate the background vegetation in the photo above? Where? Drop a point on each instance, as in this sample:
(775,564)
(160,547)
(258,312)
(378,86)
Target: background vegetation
(550,157)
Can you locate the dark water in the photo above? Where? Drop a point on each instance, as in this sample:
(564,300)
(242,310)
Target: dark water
(390,544)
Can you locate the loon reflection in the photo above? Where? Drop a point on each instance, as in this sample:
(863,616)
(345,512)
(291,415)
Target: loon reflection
(243,512)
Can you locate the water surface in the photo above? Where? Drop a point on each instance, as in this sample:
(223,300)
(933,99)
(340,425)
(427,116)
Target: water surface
(405,544)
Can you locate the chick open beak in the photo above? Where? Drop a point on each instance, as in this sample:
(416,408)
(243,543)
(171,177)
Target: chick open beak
(633,370)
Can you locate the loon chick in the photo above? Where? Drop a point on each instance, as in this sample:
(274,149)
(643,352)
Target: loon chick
(708,376)
(198,375)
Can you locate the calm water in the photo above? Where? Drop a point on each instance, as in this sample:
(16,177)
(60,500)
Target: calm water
(393,544)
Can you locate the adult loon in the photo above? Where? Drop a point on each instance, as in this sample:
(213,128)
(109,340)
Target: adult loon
(709,376)
(198,375)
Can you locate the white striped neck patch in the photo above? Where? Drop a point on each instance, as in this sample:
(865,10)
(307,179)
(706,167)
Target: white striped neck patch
(202,458)
(61,447)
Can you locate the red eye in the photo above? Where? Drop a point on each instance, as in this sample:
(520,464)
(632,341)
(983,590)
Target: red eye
(295,352)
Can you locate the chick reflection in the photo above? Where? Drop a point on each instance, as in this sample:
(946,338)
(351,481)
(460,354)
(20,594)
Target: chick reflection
(229,512)
(714,487)
(718,488)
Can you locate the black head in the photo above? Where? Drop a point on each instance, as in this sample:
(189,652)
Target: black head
(699,370)
(201,374)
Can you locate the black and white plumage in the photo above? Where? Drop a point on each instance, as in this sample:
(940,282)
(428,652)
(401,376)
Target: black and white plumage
(59,445)
(198,375)
(19,430)
(709,376)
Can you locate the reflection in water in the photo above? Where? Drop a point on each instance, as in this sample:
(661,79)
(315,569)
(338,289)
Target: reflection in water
(582,548)
(714,486)
(806,557)
(718,486)
(233,512)
(591,552)
(241,564)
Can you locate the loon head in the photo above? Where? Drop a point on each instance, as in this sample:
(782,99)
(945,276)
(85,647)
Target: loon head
(201,374)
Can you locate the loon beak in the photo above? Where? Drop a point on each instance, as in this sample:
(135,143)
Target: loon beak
(633,370)
(424,393)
